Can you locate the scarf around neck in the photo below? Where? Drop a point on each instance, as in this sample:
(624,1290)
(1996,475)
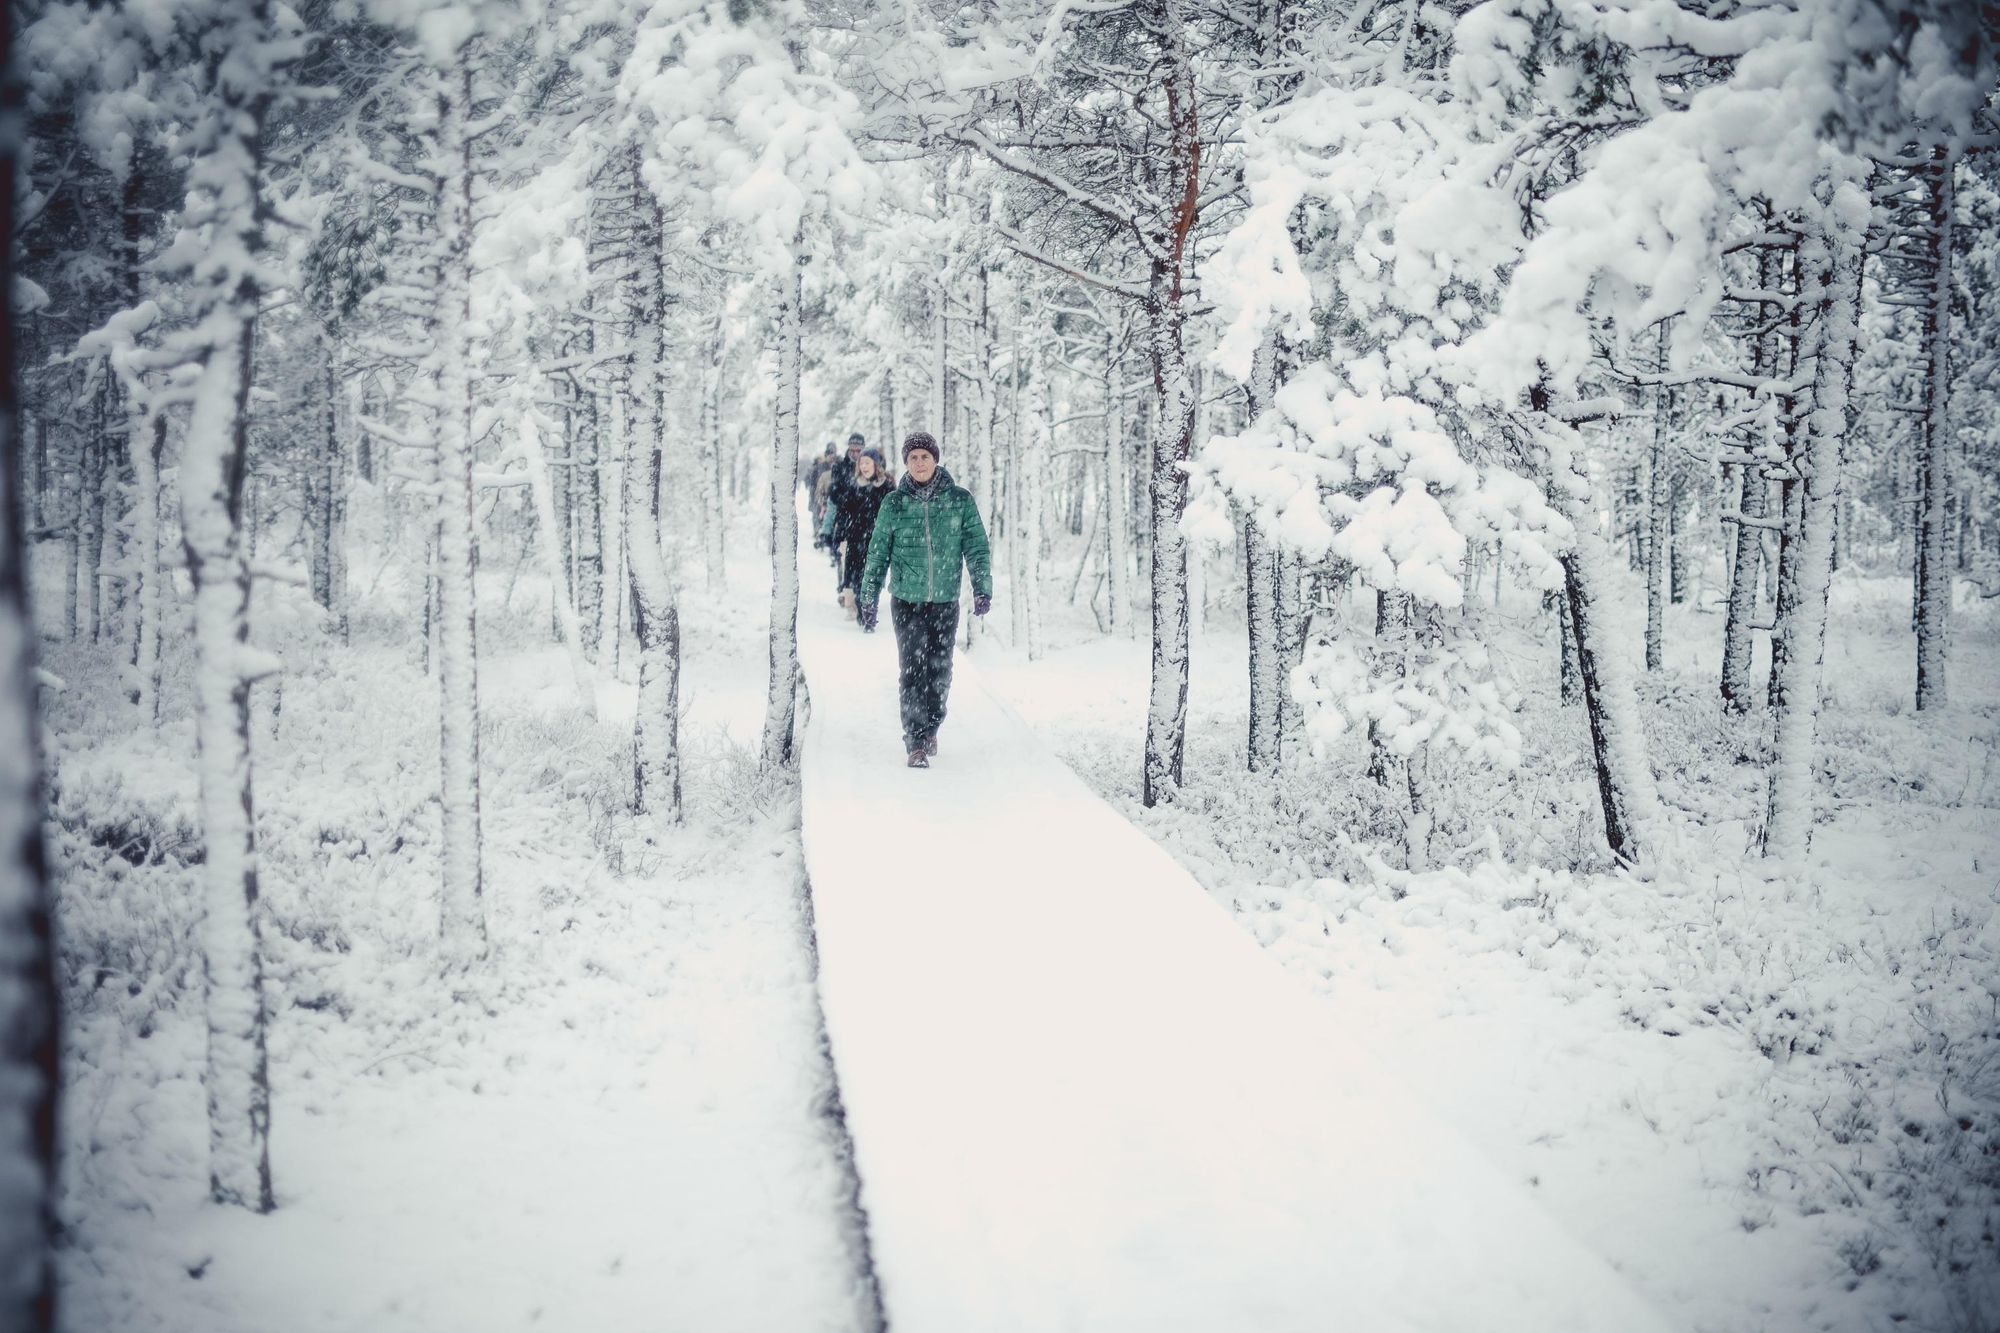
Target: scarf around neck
(940,481)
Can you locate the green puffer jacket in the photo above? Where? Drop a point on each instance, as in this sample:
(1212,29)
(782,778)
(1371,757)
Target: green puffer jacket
(920,541)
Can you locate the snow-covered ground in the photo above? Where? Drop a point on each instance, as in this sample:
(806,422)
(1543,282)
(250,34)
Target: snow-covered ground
(1080,1098)
(621,1122)
(1076,1098)
(1770,1105)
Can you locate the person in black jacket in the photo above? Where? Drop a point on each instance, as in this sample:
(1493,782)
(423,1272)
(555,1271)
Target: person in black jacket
(859,501)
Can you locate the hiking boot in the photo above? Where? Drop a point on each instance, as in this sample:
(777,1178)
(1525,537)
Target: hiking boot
(930,746)
(918,759)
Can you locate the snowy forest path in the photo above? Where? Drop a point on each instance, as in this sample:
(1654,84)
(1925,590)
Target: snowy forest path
(1081,1097)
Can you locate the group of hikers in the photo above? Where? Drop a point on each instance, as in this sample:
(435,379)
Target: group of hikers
(916,533)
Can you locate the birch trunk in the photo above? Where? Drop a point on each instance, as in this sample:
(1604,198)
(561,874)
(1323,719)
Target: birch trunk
(1173,428)
(1173,418)
(781,695)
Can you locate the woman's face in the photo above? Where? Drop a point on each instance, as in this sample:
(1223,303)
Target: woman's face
(865,468)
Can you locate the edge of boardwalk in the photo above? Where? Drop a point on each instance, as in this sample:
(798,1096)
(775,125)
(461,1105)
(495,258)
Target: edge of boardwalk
(870,1313)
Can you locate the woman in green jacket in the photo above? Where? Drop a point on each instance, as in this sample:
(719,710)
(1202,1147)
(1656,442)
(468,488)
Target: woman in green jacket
(928,528)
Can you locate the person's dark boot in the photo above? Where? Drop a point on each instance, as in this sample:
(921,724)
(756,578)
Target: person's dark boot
(918,759)
(930,746)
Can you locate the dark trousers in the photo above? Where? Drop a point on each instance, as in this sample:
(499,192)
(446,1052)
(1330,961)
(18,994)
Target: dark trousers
(857,558)
(924,631)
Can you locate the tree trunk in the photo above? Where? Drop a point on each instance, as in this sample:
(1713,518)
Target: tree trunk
(885,402)
(939,339)
(212,470)
(1738,647)
(987,408)
(1658,497)
(586,510)
(1291,612)
(781,696)
(568,625)
(1033,488)
(463,918)
(324,478)
(69,488)
(1260,594)
(1936,484)
(1173,423)
(90,549)
(1392,642)
(1173,429)
(1570,680)
(714,512)
(611,530)
(29,1065)
(656,759)
(1830,290)
(1117,495)
(1617,741)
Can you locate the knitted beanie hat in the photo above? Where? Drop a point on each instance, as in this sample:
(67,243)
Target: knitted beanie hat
(920,440)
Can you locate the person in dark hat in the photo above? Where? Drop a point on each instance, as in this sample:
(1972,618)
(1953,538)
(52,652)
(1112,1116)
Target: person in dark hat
(927,530)
(840,481)
(853,516)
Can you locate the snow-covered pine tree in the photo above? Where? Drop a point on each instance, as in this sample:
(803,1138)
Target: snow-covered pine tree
(781,687)
(1106,194)
(1925,271)
(1034,471)
(447,381)
(693,74)
(1748,458)
(1263,559)
(222,252)
(1829,260)
(656,764)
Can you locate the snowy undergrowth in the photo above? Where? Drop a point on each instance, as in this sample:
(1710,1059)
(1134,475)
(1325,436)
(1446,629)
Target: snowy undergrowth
(1776,1103)
(618,1120)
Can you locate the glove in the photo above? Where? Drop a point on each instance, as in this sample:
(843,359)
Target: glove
(866,614)
(981,603)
